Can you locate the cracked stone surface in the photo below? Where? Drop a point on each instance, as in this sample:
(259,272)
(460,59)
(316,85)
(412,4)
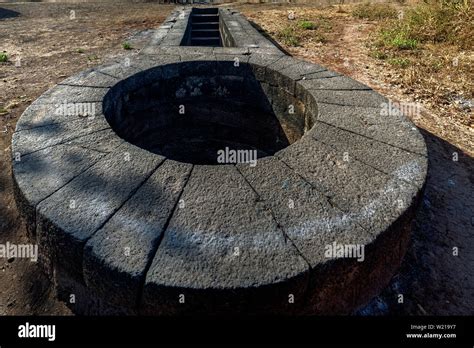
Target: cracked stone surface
(132,229)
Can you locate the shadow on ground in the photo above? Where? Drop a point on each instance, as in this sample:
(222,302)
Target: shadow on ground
(5,13)
(437,275)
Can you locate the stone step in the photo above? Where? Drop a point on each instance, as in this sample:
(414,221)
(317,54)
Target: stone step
(205,33)
(205,41)
(209,10)
(196,18)
(205,25)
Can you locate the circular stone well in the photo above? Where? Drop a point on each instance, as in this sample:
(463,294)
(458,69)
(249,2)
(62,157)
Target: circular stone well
(192,115)
(134,213)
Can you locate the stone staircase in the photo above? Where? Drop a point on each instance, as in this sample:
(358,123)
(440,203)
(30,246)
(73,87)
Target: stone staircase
(205,27)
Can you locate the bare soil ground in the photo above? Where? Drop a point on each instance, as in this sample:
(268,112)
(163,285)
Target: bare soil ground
(51,46)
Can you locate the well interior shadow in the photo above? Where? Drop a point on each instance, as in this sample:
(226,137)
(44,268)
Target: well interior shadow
(190,117)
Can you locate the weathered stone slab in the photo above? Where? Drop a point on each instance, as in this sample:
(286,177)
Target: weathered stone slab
(386,158)
(172,39)
(63,94)
(156,39)
(334,83)
(395,130)
(265,51)
(38,114)
(349,97)
(69,217)
(104,141)
(187,50)
(290,112)
(315,226)
(370,198)
(116,257)
(143,68)
(223,238)
(259,64)
(275,78)
(305,214)
(321,75)
(45,171)
(298,68)
(230,51)
(39,138)
(90,78)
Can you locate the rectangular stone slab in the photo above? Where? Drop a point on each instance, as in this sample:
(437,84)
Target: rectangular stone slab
(260,62)
(220,228)
(73,94)
(393,130)
(90,78)
(39,138)
(39,115)
(335,83)
(305,214)
(103,141)
(321,75)
(45,171)
(369,197)
(349,97)
(386,158)
(298,69)
(116,257)
(51,168)
(68,218)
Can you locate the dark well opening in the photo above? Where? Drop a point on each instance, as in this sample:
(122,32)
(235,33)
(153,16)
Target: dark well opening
(190,111)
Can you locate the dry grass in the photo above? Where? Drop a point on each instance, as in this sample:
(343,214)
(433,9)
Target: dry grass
(425,55)
(310,28)
(431,48)
(374,12)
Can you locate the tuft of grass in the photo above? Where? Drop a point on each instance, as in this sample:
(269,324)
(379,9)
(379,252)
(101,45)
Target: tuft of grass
(399,62)
(434,22)
(374,12)
(307,25)
(80,50)
(127,46)
(3,57)
(400,40)
(289,36)
(378,54)
(297,32)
